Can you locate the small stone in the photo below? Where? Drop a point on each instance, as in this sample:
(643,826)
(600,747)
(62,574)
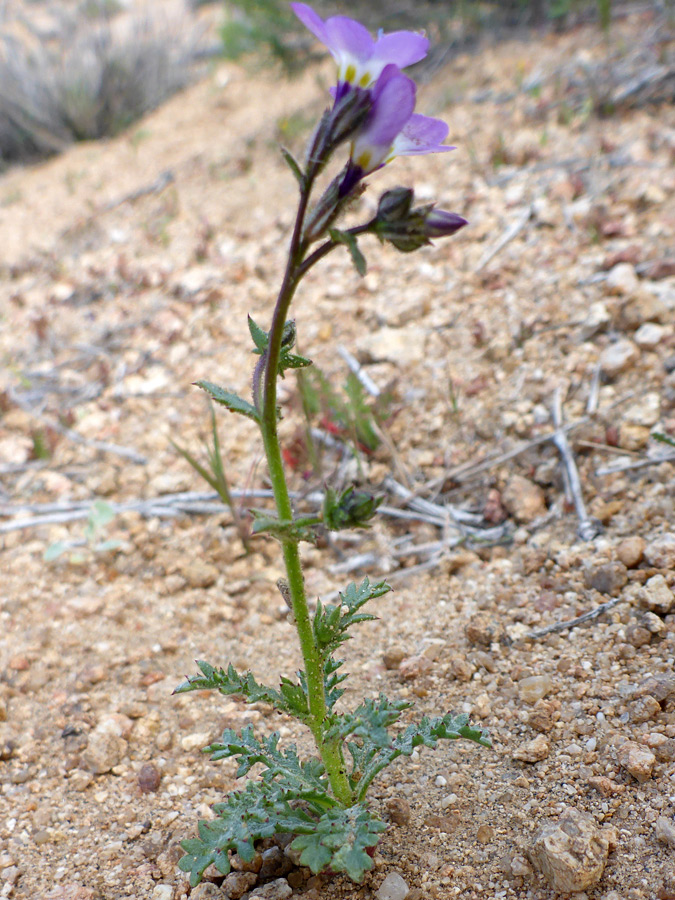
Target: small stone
(460,668)
(618,357)
(630,551)
(195,741)
(646,412)
(253,865)
(653,623)
(104,751)
(637,760)
(606,579)
(520,867)
(275,863)
(665,831)
(534,687)
(482,706)
(657,596)
(149,778)
(644,709)
(571,853)
(533,751)
(482,630)
(637,635)
(605,786)
(524,499)
(660,553)
(162,892)
(448,801)
(633,437)
(597,319)
(207,891)
(279,889)
(622,279)
(398,810)
(394,887)
(649,335)
(393,657)
(70,891)
(237,883)
(485,834)
(414,666)
(544,715)
(661,687)
(79,780)
(199,574)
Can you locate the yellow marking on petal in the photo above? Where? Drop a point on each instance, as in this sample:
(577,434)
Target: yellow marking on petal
(365,80)
(364,160)
(350,73)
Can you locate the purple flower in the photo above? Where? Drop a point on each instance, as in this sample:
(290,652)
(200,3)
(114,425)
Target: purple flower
(359,58)
(392,128)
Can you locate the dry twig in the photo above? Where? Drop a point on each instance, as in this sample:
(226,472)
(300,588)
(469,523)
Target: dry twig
(588,528)
(572,623)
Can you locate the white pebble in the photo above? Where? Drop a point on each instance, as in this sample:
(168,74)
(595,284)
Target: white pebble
(393,888)
(440,781)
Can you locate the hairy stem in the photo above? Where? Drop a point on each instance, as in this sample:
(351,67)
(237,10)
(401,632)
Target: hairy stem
(330,751)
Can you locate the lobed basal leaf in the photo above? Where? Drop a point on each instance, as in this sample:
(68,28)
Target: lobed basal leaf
(291,698)
(339,841)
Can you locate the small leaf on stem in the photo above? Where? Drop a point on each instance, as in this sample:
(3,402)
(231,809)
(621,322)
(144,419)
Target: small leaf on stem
(229,400)
(344,237)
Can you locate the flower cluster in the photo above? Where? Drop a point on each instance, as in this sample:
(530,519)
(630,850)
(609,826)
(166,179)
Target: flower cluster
(392,127)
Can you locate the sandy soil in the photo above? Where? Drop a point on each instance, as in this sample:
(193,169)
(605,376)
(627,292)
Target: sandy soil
(129,268)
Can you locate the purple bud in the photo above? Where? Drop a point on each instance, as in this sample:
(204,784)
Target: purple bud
(439,223)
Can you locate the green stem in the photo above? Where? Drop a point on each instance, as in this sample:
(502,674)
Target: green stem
(330,751)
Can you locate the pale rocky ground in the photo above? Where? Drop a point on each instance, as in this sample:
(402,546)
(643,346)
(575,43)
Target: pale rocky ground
(113,302)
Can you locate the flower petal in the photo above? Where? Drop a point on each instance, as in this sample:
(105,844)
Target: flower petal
(347,36)
(393,104)
(401,47)
(311,20)
(421,134)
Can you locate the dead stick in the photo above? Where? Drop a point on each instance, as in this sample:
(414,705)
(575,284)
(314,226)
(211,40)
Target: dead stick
(638,464)
(467,471)
(512,231)
(587,528)
(572,623)
(357,369)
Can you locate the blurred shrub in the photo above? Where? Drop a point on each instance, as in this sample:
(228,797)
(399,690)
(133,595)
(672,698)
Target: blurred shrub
(88,76)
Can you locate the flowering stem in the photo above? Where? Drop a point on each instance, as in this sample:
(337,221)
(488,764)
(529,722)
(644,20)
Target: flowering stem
(330,750)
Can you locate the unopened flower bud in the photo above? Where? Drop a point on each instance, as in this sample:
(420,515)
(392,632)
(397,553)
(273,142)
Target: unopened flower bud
(350,509)
(395,205)
(409,229)
(439,223)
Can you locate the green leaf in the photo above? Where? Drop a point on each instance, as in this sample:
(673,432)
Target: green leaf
(369,721)
(111,544)
(339,841)
(229,400)
(292,164)
(344,237)
(55,550)
(260,337)
(369,760)
(331,622)
(228,682)
(282,529)
(663,438)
